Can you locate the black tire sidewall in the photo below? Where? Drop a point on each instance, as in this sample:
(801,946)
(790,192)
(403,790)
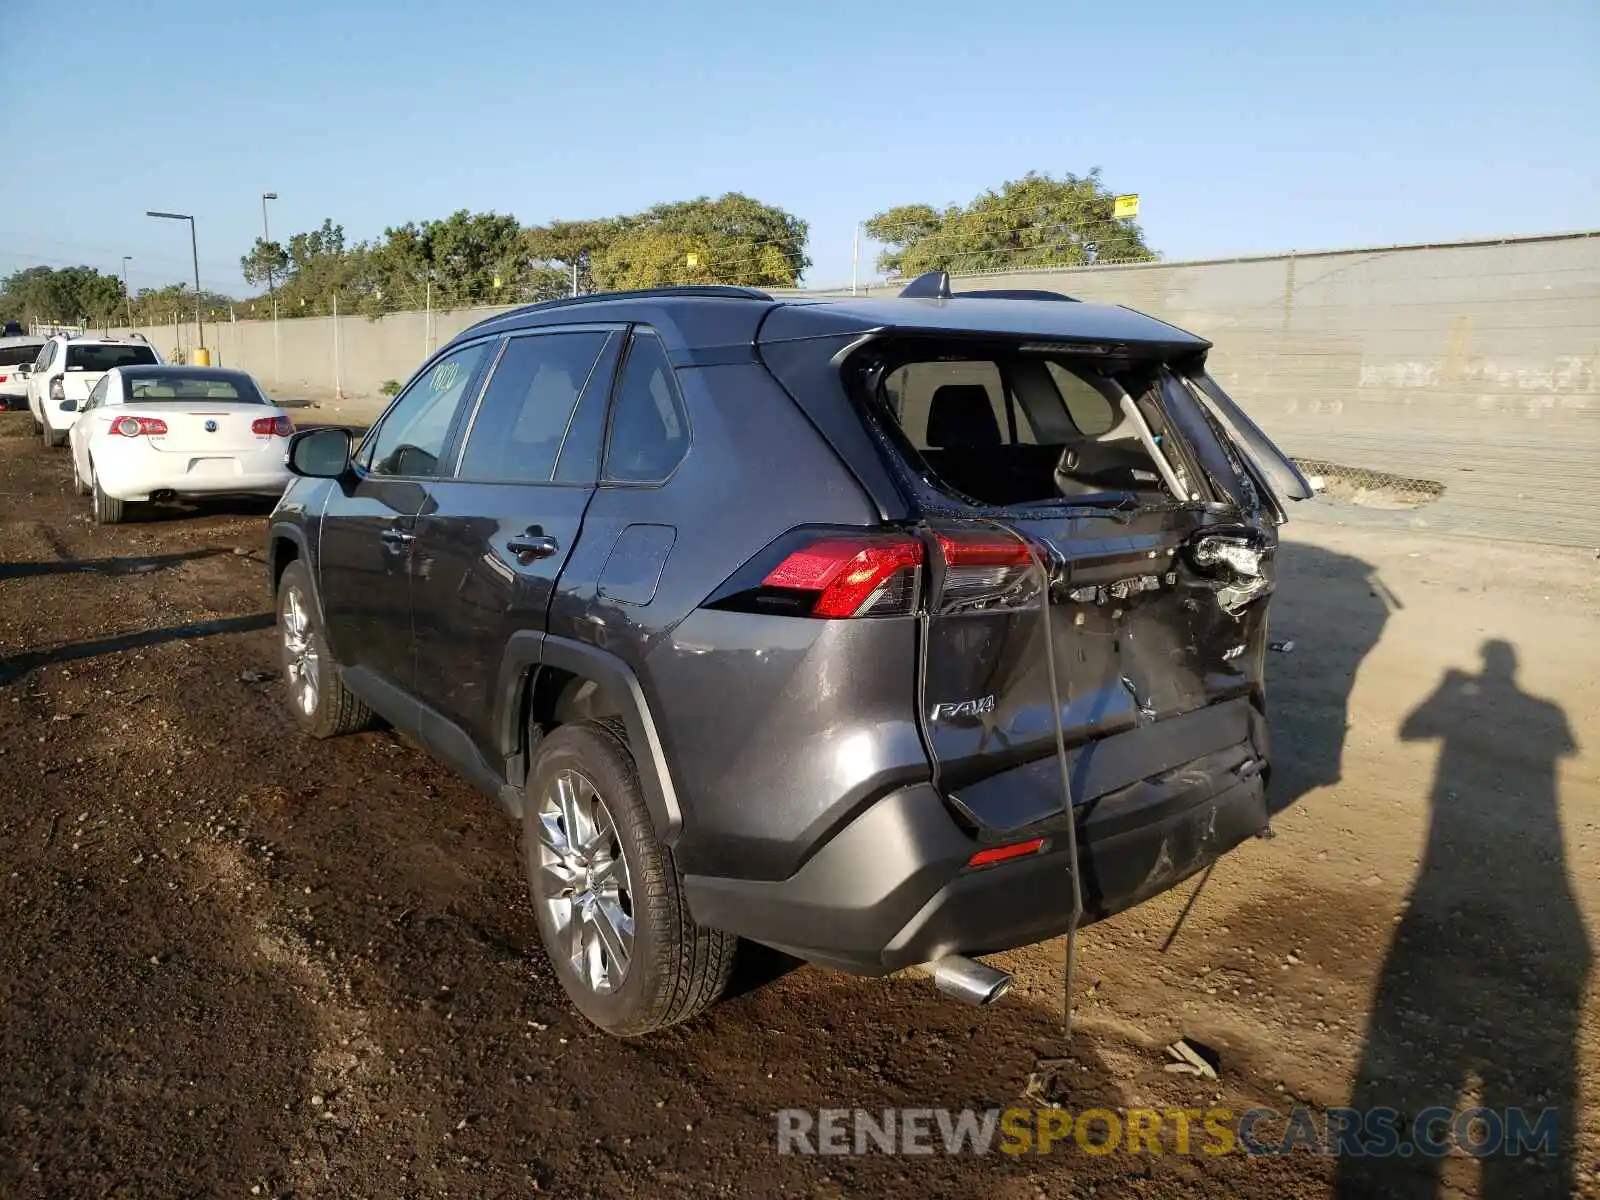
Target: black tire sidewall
(595,753)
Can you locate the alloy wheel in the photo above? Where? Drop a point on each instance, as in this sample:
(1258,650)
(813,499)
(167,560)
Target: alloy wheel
(584,884)
(301,662)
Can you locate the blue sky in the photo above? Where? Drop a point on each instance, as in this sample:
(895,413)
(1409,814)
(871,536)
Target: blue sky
(1245,127)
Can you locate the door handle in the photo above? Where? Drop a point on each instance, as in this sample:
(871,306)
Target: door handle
(530,546)
(398,538)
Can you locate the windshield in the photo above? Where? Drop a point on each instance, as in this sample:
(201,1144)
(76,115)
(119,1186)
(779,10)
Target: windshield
(10,356)
(158,386)
(103,357)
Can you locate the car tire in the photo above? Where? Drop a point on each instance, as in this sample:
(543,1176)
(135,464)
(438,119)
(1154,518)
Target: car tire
(107,509)
(321,703)
(52,440)
(79,487)
(673,969)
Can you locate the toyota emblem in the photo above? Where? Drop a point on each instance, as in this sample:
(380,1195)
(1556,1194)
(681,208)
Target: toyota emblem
(211,426)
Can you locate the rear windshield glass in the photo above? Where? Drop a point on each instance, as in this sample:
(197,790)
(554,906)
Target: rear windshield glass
(10,356)
(158,386)
(1005,426)
(103,358)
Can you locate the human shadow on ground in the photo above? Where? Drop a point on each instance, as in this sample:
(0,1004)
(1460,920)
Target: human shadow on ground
(1333,607)
(1480,997)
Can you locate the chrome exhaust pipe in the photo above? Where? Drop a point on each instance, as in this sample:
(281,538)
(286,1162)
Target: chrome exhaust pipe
(162,495)
(968,980)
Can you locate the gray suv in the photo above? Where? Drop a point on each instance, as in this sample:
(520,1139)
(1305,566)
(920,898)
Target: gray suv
(883,632)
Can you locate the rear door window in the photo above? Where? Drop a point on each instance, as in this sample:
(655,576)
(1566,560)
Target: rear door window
(649,428)
(522,422)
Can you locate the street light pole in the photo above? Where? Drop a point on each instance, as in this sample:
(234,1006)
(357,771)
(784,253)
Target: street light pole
(194,249)
(266,240)
(272,289)
(126,294)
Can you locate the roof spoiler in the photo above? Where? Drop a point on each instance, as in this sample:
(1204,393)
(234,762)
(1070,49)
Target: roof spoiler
(935,285)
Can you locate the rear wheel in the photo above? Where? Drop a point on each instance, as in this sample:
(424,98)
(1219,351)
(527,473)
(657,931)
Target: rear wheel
(607,893)
(107,509)
(317,696)
(51,439)
(79,487)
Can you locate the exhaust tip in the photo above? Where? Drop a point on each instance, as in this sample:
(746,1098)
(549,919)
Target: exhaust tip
(162,495)
(968,980)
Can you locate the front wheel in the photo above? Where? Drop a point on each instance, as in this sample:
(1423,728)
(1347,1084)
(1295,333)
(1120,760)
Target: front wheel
(321,703)
(79,487)
(51,439)
(608,896)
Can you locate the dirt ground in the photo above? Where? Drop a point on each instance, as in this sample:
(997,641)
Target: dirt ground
(236,962)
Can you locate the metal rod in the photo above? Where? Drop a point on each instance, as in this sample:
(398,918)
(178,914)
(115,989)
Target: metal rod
(126,294)
(1069,971)
(855,260)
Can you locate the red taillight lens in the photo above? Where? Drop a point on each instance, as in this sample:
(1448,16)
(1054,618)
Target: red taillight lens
(279,426)
(138,426)
(986,570)
(853,577)
(998,854)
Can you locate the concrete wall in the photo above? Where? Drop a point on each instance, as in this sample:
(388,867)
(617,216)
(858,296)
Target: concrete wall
(1473,366)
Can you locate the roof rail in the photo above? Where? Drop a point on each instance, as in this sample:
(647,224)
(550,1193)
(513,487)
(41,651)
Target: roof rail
(932,285)
(722,290)
(1015,294)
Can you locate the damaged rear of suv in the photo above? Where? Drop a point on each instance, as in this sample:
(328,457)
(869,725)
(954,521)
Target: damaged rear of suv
(1078,540)
(886,633)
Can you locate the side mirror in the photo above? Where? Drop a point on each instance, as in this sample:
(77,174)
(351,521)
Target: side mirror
(68,406)
(319,453)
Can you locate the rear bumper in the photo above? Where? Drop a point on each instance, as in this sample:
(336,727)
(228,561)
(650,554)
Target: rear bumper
(183,475)
(892,888)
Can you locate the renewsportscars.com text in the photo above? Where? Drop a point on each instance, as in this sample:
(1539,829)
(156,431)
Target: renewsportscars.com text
(1336,1132)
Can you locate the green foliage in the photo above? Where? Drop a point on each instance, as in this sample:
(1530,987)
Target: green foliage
(266,264)
(389,387)
(1035,221)
(734,239)
(465,259)
(69,295)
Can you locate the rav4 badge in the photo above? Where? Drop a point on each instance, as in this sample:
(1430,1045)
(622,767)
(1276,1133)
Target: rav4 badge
(964,708)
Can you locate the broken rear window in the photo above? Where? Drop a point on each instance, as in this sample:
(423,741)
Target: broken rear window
(1003,426)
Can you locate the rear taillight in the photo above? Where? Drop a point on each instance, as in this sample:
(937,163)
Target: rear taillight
(852,577)
(279,426)
(57,390)
(986,570)
(138,426)
(2,378)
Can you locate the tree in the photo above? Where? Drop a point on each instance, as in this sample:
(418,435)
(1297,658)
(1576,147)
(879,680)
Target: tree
(1035,221)
(68,294)
(572,246)
(266,265)
(733,239)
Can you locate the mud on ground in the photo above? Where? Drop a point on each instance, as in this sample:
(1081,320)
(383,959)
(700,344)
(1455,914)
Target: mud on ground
(237,962)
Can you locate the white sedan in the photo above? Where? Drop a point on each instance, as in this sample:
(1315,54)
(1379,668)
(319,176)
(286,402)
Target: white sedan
(163,432)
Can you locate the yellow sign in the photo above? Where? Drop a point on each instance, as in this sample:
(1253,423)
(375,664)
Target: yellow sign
(497,281)
(692,260)
(1125,206)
